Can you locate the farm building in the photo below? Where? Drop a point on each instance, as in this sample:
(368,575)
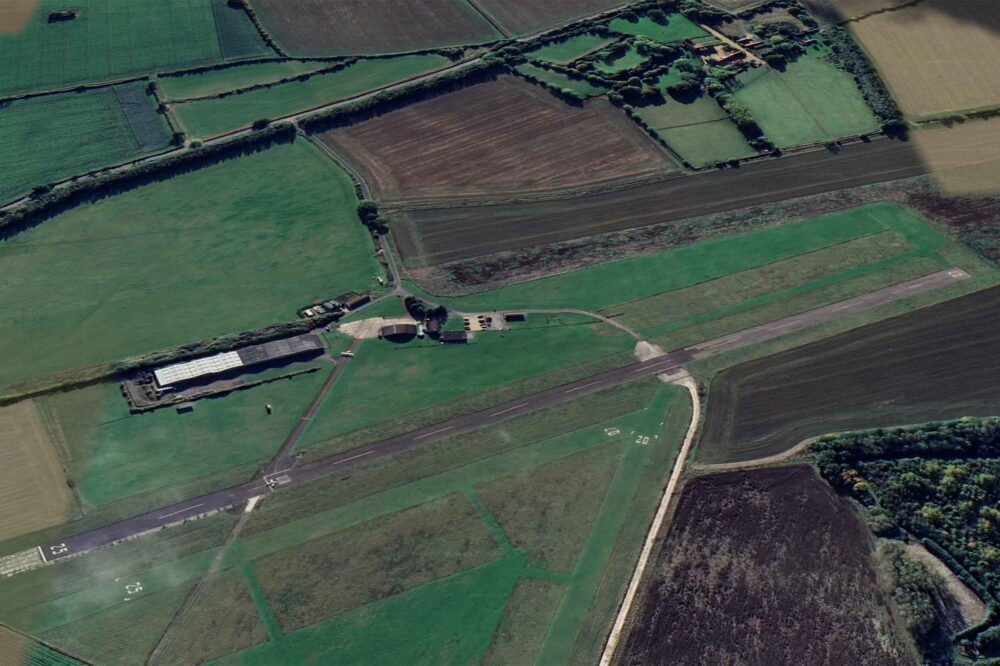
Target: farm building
(353,301)
(398,331)
(454,337)
(172,376)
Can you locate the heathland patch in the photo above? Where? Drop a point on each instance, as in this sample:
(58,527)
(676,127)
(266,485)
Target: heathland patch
(773,549)
(933,54)
(111,40)
(809,102)
(503,136)
(211,117)
(231,247)
(47,139)
(336,27)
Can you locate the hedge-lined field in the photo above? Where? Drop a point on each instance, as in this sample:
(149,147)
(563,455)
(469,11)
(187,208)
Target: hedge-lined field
(218,81)
(698,130)
(112,39)
(47,139)
(569,50)
(231,247)
(217,116)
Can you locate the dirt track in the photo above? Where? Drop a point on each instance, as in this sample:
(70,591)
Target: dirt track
(435,236)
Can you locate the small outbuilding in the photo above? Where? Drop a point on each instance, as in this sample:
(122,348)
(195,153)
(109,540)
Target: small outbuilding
(398,332)
(454,337)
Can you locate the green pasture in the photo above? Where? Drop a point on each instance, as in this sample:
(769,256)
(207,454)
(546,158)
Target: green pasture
(422,374)
(579,87)
(600,287)
(569,50)
(112,454)
(628,60)
(47,139)
(809,102)
(673,113)
(678,28)
(216,81)
(595,486)
(113,39)
(212,117)
(231,247)
(700,145)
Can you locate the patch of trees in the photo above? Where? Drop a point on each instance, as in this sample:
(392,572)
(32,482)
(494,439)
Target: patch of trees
(62,16)
(488,68)
(369,215)
(849,57)
(252,15)
(46,201)
(941,483)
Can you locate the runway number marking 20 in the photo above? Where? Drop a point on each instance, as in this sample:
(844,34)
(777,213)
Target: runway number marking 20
(642,440)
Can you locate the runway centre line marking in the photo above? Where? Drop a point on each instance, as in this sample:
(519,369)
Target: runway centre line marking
(174,513)
(360,455)
(433,433)
(509,409)
(577,388)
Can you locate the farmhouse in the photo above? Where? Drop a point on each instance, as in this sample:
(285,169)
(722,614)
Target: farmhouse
(178,374)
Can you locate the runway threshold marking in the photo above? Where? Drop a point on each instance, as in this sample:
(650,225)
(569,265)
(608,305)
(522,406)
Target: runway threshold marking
(509,409)
(428,434)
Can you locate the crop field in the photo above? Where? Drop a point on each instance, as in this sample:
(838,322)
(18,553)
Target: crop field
(214,82)
(339,27)
(951,40)
(775,550)
(112,454)
(33,486)
(810,102)
(545,344)
(111,40)
(47,139)
(677,28)
(521,17)
(579,87)
(570,49)
(503,136)
(211,117)
(699,131)
(436,236)
(261,235)
(929,364)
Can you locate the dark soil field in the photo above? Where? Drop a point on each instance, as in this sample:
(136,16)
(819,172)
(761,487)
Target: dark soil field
(499,137)
(341,27)
(934,363)
(434,236)
(767,567)
(520,17)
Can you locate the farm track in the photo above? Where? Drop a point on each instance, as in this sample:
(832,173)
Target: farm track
(274,481)
(453,234)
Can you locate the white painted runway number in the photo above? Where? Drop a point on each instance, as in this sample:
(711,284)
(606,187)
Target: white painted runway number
(611,432)
(132,589)
(642,440)
(58,549)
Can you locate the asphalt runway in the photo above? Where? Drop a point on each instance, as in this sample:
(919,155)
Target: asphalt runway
(275,481)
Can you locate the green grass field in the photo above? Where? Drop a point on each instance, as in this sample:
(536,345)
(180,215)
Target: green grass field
(579,87)
(699,131)
(679,27)
(47,139)
(261,236)
(217,116)
(112,454)
(811,101)
(628,60)
(112,39)
(569,50)
(218,81)
(423,374)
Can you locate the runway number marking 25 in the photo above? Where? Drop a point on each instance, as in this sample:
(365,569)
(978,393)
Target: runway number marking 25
(58,549)
(131,589)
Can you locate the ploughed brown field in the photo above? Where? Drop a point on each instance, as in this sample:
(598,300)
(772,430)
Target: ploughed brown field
(521,17)
(435,236)
(767,567)
(342,27)
(503,136)
(935,363)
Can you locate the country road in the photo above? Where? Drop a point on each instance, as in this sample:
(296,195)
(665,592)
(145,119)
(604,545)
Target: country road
(668,363)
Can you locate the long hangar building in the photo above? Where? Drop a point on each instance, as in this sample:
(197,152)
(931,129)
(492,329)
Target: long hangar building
(174,376)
